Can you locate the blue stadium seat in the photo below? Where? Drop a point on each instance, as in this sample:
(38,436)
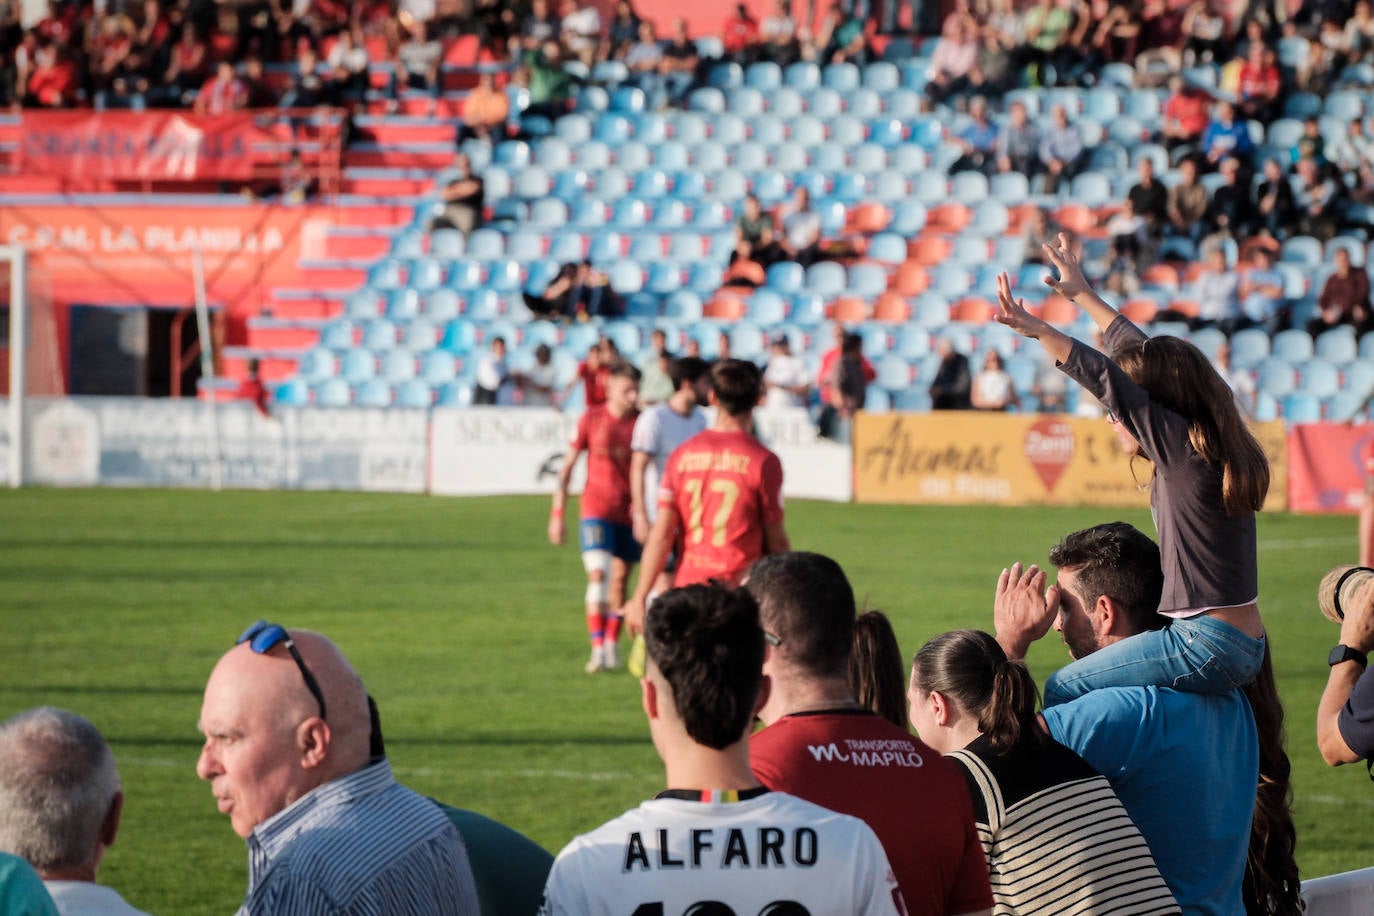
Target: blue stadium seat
(1346,407)
(333,392)
(626,276)
(1344,105)
(645,247)
(357,366)
(669,214)
(612,184)
(1337,346)
(704,277)
(1301,249)
(1091,189)
(486,245)
(1293,346)
(1011,188)
(447,244)
(824,103)
(745,102)
(460,336)
(1319,378)
(767,306)
(574,129)
(686,246)
(464,275)
(842,77)
(912,400)
(379,335)
(683,305)
(913,341)
(749,157)
(764,76)
(725,75)
(337,335)
(455,394)
(316,365)
(894,372)
(1208,340)
(877,400)
(293,392)
(633,157)
(414,394)
(691,129)
(1352,246)
(1277,378)
(825,278)
(931,188)
(709,157)
(808,309)
(789,157)
(387,274)
(1300,407)
(592,155)
(784,103)
(438,367)
(664,277)
(397,366)
(612,129)
(888,131)
(503,276)
(931,311)
(867,281)
(882,76)
(402,305)
(747,340)
(629,214)
(888,248)
(969,188)
(904,104)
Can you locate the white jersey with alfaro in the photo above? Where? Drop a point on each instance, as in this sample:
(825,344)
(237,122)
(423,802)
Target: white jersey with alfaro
(763,854)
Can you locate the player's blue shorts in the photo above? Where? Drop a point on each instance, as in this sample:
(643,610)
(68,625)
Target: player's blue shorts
(617,540)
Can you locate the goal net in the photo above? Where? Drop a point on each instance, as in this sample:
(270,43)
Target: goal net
(31,364)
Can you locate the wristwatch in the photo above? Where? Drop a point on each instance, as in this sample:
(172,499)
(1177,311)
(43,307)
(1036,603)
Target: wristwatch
(1343,653)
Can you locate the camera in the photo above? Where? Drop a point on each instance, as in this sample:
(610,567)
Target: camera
(1339,588)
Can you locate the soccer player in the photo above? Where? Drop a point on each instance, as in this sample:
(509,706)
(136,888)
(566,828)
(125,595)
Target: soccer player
(722,492)
(609,548)
(717,841)
(658,433)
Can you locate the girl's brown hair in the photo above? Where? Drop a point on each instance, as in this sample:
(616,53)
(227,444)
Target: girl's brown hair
(1177,375)
(970,669)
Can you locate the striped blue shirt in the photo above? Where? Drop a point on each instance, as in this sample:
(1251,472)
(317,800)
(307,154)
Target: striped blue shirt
(363,844)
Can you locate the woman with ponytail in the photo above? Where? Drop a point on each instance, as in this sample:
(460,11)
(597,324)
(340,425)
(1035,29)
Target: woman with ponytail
(1057,838)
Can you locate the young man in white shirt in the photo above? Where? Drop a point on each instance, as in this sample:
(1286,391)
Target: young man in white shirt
(717,840)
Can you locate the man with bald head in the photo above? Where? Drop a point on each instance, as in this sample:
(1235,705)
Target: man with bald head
(289,756)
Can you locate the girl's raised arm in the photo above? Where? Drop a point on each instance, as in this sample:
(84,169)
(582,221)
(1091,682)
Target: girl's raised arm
(1072,285)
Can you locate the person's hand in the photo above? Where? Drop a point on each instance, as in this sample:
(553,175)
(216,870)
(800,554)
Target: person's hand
(1357,629)
(633,612)
(1071,282)
(1012,311)
(1024,610)
(556,528)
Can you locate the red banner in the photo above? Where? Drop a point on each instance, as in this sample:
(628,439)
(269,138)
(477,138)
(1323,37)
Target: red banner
(140,146)
(1326,466)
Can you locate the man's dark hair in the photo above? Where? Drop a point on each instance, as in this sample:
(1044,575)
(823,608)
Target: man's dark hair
(624,369)
(707,642)
(687,369)
(1118,561)
(806,601)
(737,384)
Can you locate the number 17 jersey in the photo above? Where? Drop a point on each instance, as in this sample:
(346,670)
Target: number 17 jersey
(726,488)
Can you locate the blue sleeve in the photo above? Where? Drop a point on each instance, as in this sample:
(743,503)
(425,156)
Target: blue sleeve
(1356,720)
(1102,727)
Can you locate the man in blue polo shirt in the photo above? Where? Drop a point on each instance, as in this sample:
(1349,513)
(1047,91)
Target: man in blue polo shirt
(1185,765)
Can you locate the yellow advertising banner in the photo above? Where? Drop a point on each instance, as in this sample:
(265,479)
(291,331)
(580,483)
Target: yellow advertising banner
(966,458)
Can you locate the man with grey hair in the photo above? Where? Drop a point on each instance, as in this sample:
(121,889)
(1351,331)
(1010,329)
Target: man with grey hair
(60,803)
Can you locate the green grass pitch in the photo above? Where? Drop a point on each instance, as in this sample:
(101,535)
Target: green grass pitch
(468,629)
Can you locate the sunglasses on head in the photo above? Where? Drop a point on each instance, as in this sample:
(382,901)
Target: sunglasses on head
(262,637)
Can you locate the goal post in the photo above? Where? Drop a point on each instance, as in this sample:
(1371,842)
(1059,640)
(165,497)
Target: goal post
(32,345)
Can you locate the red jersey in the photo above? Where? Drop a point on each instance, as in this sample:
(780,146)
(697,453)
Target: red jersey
(606,440)
(594,381)
(828,360)
(916,801)
(726,487)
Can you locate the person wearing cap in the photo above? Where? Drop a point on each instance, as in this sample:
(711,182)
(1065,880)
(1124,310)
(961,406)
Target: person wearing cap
(294,760)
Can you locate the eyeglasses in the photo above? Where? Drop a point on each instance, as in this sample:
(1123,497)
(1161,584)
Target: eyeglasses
(772,639)
(1112,417)
(262,637)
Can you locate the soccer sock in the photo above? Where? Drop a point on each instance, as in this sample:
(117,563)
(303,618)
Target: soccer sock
(595,627)
(613,627)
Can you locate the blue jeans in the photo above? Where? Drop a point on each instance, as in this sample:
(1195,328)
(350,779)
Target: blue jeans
(1196,654)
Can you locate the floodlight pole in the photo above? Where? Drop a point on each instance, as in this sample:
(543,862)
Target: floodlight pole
(19,339)
(207,363)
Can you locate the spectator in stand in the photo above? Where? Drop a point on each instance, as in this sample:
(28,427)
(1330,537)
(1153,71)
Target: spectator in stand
(581,29)
(222,93)
(1003,37)
(1018,145)
(1258,93)
(953,69)
(1186,112)
(1226,136)
(417,66)
(755,228)
(1215,290)
(492,382)
(1310,142)
(722,346)
(953,383)
(485,112)
(977,141)
(785,381)
(740,36)
(828,369)
(552,303)
(347,61)
(1038,231)
(1061,150)
(847,383)
(1344,298)
(108,52)
(1359,30)
(1204,30)
(308,88)
(1275,207)
(1318,199)
(644,60)
(463,199)
(549,82)
(186,71)
(992,387)
(1159,47)
(841,39)
(1231,212)
(537,386)
(655,380)
(744,270)
(801,230)
(53,82)
(1130,249)
(1187,204)
(153,37)
(538,27)
(1261,293)
(622,32)
(778,35)
(1149,198)
(1241,382)
(679,65)
(1352,152)
(592,374)
(1048,24)
(592,296)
